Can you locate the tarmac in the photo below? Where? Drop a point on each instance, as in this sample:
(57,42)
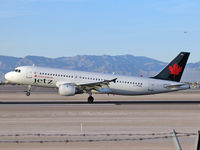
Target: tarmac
(47,121)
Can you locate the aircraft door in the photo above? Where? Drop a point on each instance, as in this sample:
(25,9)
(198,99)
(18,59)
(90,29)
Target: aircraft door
(151,87)
(29,74)
(155,86)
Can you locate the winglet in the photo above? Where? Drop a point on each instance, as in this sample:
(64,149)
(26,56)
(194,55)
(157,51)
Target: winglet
(113,80)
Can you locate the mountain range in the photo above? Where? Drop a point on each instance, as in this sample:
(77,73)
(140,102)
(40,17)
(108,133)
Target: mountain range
(122,64)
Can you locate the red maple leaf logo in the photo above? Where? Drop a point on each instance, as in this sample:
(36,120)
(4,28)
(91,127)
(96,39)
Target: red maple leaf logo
(175,70)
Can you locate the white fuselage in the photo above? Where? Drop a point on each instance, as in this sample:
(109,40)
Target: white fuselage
(124,85)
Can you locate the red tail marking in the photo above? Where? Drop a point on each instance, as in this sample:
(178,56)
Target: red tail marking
(175,70)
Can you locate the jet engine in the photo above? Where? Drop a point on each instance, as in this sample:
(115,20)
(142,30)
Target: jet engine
(67,90)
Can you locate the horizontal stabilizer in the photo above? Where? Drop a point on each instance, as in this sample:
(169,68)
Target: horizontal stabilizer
(174,85)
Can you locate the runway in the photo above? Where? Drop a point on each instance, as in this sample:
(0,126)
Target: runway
(79,102)
(48,121)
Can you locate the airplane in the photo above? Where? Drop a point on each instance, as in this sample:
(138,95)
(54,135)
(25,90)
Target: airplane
(71,82)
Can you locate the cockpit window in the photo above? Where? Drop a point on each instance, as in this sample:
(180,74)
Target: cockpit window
(17,70)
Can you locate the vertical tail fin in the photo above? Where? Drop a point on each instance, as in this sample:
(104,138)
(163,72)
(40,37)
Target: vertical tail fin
(174,70)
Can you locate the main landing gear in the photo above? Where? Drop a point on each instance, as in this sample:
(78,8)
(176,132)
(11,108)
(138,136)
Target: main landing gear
(28,92)
(90,99)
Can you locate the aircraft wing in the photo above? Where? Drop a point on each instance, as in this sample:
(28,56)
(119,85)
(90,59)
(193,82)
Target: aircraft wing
(95,85)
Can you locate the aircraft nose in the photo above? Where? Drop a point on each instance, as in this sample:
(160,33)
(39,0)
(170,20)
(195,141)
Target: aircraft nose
(8,76)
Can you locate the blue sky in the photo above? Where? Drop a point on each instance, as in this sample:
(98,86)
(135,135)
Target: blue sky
(158,29)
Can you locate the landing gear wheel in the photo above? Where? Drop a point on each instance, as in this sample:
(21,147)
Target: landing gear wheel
(90,99)
(28,93)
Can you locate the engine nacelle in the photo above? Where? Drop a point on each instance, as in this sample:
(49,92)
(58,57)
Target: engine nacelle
(67,90)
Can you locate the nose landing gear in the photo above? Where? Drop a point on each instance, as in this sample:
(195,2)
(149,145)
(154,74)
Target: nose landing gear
(28,92)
